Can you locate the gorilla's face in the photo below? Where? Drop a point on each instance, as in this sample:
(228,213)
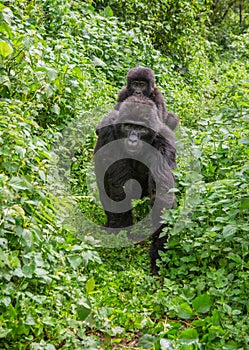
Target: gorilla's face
(135,135)
(140,88)
(137,123)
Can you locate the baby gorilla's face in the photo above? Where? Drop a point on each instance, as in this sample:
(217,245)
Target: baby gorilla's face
(139,88)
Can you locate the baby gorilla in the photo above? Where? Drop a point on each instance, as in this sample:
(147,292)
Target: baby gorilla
(141,82)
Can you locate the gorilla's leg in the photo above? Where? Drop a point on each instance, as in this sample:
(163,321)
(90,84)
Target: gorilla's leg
(157,245)
(160,199)
(118,216)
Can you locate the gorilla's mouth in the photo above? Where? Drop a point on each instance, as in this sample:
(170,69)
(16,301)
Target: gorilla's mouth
(133,147)
(132,150)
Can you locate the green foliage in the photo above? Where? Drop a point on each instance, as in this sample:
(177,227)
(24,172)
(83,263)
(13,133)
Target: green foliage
(61,65)
(41,286)
(168,24)
(180,29)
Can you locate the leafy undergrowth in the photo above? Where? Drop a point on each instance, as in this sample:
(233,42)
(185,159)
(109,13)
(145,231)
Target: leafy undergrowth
(62,64)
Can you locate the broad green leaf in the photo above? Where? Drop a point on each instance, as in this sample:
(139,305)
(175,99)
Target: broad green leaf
(19,183)
(189,335)
(27,42)
(202,303)
(244,141)
(4,243)
(56,109)
(90,284)
(49,347)
(75,261)
(146,341)
(30,320)
(166,344)
(5,80)
(108,11)
(184,311)
(215,317)
(7,15)
(98,62)
(221,282)
(10,166)
(28,270)
(40,272)
(5,301)
(27,236)
(5,49)
(5,28)
(4,258)
(83,309)
(12,311)
(244,204)
(4,332)
(229,231)
(52,74)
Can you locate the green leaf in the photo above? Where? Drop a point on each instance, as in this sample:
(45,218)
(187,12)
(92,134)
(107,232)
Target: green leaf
(229,231)
(28,270)
(7,15)
(75,261)
(244,141)
(202,303)
(52,74)
(19,183)
(184,311)
(215,318)
(98,62)
(90,284)
(28,42)
(56,109)
(146,341)
(4,332)
(5,28)
(27,237)
(5,49)
(244,204)
(40,272)
(83,309)
(108,11)
(30,320)
(5,301)
(166,344)
(189,336)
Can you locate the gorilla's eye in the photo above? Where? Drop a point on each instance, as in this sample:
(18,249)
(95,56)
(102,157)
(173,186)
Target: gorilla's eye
(128,127)
(141,129)
(142,84)
(139,84)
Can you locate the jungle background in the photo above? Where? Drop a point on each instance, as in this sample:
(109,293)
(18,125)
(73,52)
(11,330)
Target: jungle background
(62,62)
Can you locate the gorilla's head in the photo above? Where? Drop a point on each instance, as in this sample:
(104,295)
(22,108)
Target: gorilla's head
(137,122)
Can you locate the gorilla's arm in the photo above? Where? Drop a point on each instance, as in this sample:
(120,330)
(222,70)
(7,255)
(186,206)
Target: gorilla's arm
(172,120)
(105,130)
(165,143)
(122,96)
(167,117)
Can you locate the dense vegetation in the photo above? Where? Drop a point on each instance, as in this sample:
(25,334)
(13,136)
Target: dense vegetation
(62,64)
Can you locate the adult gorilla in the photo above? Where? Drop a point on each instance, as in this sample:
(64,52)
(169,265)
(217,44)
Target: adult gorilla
(144,149)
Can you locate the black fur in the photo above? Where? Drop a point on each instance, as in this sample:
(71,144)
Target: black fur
(161,137)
